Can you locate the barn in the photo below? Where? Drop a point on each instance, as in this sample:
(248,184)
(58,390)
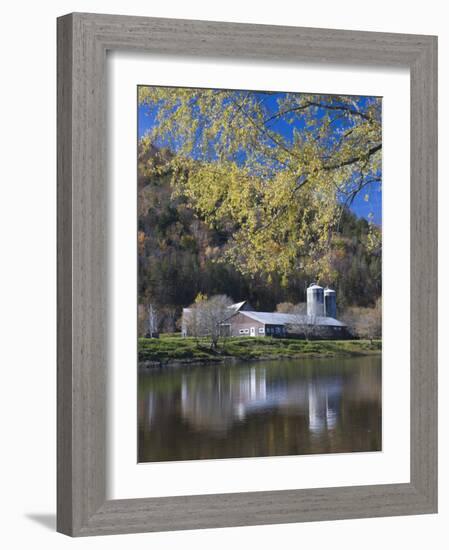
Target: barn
(283,325)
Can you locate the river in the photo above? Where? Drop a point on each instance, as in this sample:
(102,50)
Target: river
(268,408)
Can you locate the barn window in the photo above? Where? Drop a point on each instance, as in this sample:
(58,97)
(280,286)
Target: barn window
(261,330)
(242,331)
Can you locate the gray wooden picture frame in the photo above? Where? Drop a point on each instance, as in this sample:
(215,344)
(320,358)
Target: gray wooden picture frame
(83,40)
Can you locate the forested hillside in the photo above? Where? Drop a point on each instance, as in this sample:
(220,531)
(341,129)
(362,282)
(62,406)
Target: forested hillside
(181,254)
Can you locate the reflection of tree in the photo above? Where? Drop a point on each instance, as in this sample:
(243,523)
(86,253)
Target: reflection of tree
(219,399)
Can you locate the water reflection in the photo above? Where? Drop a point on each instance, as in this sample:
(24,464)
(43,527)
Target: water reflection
(264,409)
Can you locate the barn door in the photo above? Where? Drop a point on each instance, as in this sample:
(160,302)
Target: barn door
(253,331)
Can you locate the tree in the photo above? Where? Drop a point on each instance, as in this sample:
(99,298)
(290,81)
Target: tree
(365,322)
(285,307)
(302,322)
(152,321)
(193,324)
(206,315)
(280,194)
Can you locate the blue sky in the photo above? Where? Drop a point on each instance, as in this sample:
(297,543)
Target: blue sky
(360,206)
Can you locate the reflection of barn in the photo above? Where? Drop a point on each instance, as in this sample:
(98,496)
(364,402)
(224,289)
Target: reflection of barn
(217,402)
(318,322)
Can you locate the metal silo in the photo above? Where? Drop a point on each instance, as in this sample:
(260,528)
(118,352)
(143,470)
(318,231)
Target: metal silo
(315,300)
(330,303)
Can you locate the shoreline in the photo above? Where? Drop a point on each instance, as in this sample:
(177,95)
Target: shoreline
(232,359)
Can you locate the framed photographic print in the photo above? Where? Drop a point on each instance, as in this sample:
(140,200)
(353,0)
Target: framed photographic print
(246,274)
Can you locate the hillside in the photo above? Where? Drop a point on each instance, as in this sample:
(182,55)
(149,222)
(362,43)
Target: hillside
(179,255)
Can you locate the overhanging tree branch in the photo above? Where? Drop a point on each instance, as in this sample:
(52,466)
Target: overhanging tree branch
(325,106)
(353,160)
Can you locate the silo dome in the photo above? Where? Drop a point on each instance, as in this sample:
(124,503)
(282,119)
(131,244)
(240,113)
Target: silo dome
(330,303)
(315,300)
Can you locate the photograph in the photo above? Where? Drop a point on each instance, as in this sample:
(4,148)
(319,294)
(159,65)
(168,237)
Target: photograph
(259,245)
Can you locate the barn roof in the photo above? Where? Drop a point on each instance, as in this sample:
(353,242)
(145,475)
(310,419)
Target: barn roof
(290,318)
(238,305)
(235,307)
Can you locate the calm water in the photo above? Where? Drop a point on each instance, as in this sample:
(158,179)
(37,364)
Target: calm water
(260,409)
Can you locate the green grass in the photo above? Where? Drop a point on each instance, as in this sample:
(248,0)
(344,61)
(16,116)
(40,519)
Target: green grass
(170,347)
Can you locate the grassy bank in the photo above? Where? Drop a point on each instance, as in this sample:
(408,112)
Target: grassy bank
(173,348)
